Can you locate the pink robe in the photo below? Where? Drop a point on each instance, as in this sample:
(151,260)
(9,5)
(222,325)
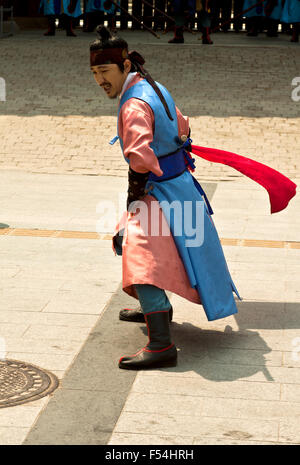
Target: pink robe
(148,259)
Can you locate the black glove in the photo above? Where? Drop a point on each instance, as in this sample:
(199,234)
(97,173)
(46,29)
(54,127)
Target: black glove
(136,185)
(118,241)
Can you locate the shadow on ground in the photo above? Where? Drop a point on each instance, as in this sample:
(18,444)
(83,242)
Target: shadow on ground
(93,391)
(230,355)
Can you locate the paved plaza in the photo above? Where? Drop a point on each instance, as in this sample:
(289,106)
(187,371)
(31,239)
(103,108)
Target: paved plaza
(237,379)
(238,94)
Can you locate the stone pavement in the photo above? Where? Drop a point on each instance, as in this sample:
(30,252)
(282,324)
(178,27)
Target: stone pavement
(238,94)
(238,379)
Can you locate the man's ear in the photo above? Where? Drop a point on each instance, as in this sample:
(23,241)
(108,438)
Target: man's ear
(127,65)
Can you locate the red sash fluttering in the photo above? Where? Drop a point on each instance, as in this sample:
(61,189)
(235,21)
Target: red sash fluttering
(280,188)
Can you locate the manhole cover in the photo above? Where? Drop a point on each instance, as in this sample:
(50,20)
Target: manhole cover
(21,382)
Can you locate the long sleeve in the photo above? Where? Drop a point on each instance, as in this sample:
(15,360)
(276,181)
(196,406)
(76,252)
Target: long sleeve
(136,127)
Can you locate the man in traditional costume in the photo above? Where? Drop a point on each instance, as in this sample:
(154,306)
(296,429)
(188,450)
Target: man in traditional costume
(291,15)
(182,11)
(179,11)
(157,255)
(272,11)
(54,8)
(254,16)
(95,9)
(264,14)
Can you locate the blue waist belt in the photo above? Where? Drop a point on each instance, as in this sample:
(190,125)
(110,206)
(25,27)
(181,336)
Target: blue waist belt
(173,165)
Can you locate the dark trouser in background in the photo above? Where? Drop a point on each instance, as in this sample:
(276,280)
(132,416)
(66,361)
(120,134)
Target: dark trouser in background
(92,20)
(65,21)
(51,26)
(159,20)
(238,8)
(296,32)
(137,12)
(220,8)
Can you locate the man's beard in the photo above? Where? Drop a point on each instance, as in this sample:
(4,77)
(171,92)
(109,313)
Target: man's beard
(109,94)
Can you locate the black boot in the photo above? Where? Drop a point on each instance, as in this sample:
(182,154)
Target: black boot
(252,27)
(178,37)
(272,28)
(69,27)
(89,23)
(51,26)
(252,33)
(137,316)
(205,37)
(296,31)
(159,352)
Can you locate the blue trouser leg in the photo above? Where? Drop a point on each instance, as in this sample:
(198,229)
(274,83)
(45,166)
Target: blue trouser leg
(152,298)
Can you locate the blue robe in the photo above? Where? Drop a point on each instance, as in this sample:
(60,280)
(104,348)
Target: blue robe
(59,7)
(291,12)
(259,10)
(98,5)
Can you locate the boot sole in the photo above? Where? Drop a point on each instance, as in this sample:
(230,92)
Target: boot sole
(165,364)
(140,319)
(133,320)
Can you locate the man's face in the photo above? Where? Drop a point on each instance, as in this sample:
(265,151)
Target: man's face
(110,78)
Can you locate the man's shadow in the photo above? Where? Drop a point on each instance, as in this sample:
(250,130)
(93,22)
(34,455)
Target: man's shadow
(230,354)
